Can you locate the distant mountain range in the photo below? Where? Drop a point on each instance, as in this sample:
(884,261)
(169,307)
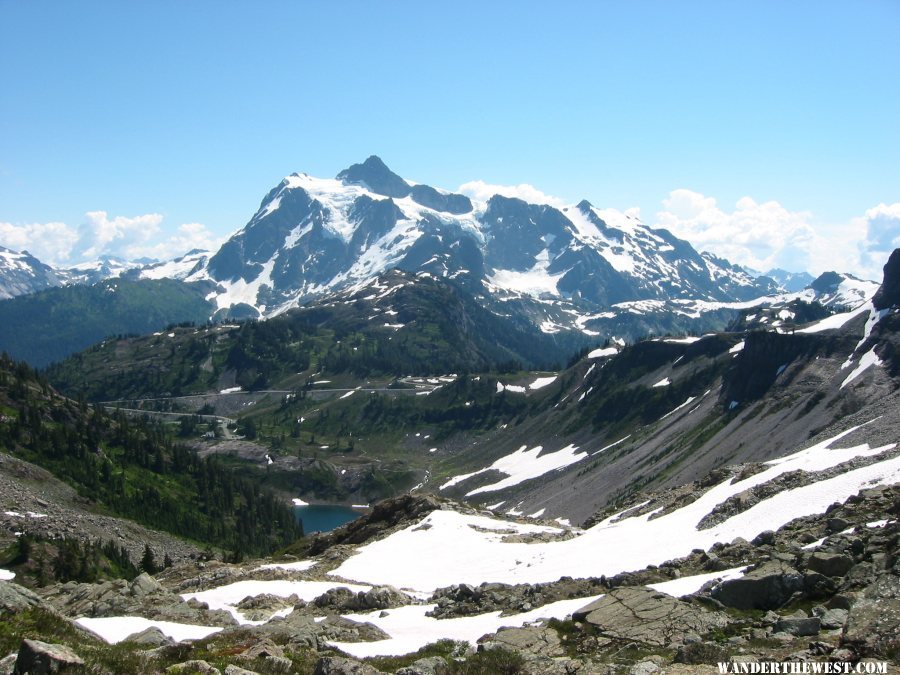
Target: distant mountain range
(578,272)
(22,274)
(790,281)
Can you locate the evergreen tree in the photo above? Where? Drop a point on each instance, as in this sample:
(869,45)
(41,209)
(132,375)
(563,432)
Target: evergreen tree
(148,561)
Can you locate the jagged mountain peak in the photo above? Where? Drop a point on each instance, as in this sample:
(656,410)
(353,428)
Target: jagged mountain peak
(377,177)
(22,273)
(838,290)
(826,281)
(789,281)
(584,206)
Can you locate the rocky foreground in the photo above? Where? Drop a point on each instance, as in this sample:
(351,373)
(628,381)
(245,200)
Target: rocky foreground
(821,588)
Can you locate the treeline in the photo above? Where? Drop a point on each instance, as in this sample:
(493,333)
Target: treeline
(133,467)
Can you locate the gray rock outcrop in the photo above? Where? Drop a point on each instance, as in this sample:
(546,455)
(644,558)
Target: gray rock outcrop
(15,598)
(769,586)
(338,665)
(36,658)
(640,614)
(874,617)
(537,640)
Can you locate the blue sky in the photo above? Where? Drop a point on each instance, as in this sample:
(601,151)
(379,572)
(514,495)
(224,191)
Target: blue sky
(765,131)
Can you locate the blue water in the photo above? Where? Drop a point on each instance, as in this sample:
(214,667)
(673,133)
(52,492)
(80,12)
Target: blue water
(324,517)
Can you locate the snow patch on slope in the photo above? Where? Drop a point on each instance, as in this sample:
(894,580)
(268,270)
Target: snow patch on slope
(521,465)
(457,553)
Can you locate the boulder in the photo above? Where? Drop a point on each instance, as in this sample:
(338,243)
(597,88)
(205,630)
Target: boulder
(232,669)
(837,525)
(335,598)
(542,665)
(15,598)
(8,664)
(264,649)
(143,584)
(763,538)
(430,665)
(262,607)
(278,664)
(644,668)
(341,629)
(384,597)
(769,586)
(830,564)
(538,640)
(150,637)
(831,618)
(342,599)
(640,614)
(338,665)
(194,666)
(36,657)
(800,626)
(818,586)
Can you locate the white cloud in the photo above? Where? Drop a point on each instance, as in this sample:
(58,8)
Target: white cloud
(119,236)
(481,191)
(188,237)
(766,235)
(882,228)
(48,242)
(99,234)
(757,235)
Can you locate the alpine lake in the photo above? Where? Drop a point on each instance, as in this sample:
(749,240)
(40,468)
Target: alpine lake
(325,517)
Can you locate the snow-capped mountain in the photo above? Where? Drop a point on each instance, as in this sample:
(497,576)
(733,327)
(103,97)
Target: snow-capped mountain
(840,291)
(22,273)
(584,271)
(790,281)
(105,267)
(565,267)
(180,268)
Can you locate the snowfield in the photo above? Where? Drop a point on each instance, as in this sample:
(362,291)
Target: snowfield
(520,466)
(460,551)
(227,597)
(114,629)
(411,630)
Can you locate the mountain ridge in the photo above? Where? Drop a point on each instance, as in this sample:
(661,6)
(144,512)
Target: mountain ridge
(368,219)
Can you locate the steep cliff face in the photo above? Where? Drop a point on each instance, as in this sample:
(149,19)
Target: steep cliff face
(766,356)
(889,293)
